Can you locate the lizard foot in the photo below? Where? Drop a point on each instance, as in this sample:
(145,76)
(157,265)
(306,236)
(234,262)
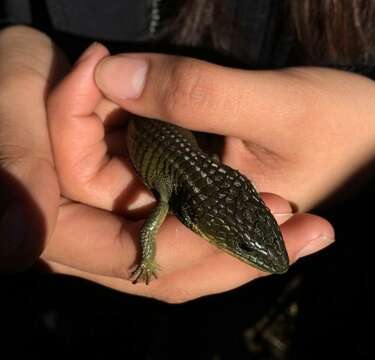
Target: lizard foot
(144,272)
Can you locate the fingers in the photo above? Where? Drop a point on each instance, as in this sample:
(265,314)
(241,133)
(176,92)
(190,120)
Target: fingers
(109,244)
(29,65)
(27,60)
(221,272)
(199,95)
(87,172)
(190,266)
(292,123)
(280,208)
(306,234)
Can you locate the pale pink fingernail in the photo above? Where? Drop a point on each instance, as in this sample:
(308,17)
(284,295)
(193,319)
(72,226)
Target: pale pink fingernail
(122,76)
(315,245)
(282,217)
(87,53)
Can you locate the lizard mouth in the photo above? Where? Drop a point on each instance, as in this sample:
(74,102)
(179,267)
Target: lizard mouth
(272,260)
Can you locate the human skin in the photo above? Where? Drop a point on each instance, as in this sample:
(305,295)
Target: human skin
(298,132)
(90,233)
(86,152)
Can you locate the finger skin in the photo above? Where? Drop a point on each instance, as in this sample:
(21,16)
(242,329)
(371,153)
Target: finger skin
(191,267)
(81,148)
(29,65)
(186,91)
(109,245)
(288,125)
(212,98)
(83,153)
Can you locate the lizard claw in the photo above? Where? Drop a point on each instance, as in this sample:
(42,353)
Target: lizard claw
(144,272)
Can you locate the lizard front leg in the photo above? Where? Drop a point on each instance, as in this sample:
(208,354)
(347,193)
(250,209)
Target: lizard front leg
(148,267)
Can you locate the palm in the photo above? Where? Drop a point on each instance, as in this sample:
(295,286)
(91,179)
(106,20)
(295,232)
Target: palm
(101,246)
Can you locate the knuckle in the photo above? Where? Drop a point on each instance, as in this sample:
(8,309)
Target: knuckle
(26,51)
(18,160)
(187,89)
(20,31)
(23,40)
(17,84)
(11,156)
(306,94)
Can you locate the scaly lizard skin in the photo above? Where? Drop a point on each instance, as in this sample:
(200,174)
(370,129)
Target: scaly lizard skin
(208,197)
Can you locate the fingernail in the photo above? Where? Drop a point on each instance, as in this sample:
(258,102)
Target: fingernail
(12,230)
(315,245)
(87,53)
(122,76)
(282,217)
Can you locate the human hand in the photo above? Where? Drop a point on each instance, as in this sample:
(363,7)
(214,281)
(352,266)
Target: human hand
(29,191)
(97,234)
(298,132)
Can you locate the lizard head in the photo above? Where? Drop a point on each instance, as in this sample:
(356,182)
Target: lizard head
(232,216)
(255,239)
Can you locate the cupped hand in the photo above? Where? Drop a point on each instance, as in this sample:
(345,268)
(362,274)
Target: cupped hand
(29,191)
(298,132)
(96,236)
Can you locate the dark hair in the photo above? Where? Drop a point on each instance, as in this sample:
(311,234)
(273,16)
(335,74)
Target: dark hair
(340,31)
(327,31)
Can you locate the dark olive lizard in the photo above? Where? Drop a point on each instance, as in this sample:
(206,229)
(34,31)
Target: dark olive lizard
(208,197)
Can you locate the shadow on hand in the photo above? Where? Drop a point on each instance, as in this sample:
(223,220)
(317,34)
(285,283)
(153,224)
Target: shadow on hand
(22,226)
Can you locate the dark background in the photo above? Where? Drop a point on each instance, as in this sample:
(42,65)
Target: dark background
(322,308)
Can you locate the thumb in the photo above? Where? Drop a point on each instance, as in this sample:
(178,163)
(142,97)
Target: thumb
(29,190)
(199,95)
